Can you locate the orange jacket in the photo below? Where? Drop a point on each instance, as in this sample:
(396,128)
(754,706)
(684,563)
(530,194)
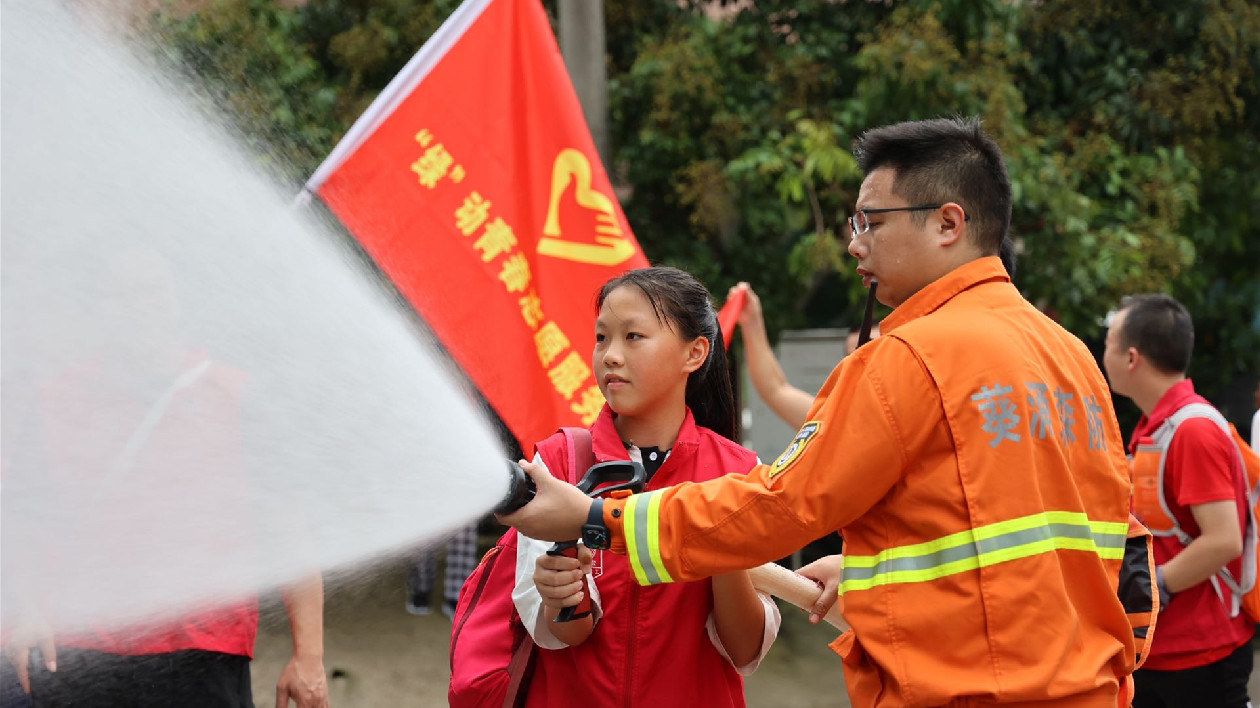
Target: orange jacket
(973,463)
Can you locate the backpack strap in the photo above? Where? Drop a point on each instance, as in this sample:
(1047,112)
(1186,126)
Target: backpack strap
(1198,410)
(581,452)
(1237,587)
(520,670)
(1162,438)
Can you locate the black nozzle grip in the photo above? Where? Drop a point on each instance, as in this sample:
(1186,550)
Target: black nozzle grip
(521,489)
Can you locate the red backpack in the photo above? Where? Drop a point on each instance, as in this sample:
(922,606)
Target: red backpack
(491,651)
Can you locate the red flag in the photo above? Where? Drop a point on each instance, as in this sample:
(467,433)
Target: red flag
(728,316)
(474,183)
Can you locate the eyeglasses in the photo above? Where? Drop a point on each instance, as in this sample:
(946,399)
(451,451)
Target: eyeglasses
(860,222)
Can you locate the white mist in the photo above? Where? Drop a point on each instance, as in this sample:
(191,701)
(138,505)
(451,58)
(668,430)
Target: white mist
(204,395)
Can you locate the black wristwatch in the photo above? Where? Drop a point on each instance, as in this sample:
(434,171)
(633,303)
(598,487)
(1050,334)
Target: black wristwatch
(594,533)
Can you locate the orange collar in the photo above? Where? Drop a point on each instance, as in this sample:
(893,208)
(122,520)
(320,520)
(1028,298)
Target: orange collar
(943,289)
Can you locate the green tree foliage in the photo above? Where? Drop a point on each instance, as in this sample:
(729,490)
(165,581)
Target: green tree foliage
(1131,132)
(296,78)
(1158,103)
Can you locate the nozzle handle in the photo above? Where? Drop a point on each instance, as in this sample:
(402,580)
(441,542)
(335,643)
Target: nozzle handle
(583,608)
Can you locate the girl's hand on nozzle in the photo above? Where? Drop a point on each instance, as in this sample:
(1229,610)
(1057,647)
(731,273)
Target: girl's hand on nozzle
(557,511)
(827,573)
(559,578)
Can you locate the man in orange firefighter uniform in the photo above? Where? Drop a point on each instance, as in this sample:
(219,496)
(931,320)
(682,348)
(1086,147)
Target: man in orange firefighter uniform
(970,457)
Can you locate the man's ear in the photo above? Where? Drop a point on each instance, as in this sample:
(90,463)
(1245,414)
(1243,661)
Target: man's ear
(952,224)
(1133,356)
(697,353)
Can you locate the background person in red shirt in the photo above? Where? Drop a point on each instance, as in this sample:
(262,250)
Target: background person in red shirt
(146,427)
(1201,655)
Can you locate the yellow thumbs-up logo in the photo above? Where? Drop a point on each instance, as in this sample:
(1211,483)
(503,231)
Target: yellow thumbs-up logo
(611,246)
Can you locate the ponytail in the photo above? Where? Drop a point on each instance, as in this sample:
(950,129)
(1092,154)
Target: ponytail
(709,393)
(682,302)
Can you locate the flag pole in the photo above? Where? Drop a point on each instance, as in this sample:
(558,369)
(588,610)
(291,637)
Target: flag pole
(398,89)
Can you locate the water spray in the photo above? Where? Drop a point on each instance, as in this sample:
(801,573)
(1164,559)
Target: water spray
(205,394)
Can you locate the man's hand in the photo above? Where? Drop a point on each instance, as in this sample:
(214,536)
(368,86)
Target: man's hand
(304,681)
(557,511)
(559,578)
(827,572)
(18,650)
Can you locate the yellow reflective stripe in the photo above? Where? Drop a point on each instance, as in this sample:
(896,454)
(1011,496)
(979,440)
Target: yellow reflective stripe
(917,549)
(642,515)
(1110,537)
(984,546)
(632,544)
(963,565)
(1111,553)
(969,536)
(654,537)
(1110,527)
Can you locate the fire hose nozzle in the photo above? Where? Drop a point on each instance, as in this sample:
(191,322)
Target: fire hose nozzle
(521,489)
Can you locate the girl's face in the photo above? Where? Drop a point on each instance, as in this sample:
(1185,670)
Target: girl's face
(641,364)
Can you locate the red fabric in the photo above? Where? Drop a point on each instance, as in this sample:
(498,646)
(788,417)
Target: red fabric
(230,630)
(489,657)
(728,317)
(650,649)
(1202,466)
(487,632)
(483,199)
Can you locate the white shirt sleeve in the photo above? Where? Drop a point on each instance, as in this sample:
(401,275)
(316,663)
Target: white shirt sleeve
(772,621)
(525,596)
(1255,431)
(769,634)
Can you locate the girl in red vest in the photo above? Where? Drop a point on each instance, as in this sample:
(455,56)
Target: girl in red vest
(661,365)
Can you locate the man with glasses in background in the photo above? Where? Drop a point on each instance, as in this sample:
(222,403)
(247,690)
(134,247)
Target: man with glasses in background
(970,457)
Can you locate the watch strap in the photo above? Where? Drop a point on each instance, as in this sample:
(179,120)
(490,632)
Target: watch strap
(594,533)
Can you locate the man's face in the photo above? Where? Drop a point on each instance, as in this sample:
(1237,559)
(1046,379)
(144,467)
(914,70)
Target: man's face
(1116,355)
(896,249)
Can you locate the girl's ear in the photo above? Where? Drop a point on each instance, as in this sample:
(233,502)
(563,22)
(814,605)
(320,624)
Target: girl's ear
(697,354)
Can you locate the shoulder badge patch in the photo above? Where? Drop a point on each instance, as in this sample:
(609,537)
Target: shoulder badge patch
(807,433)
